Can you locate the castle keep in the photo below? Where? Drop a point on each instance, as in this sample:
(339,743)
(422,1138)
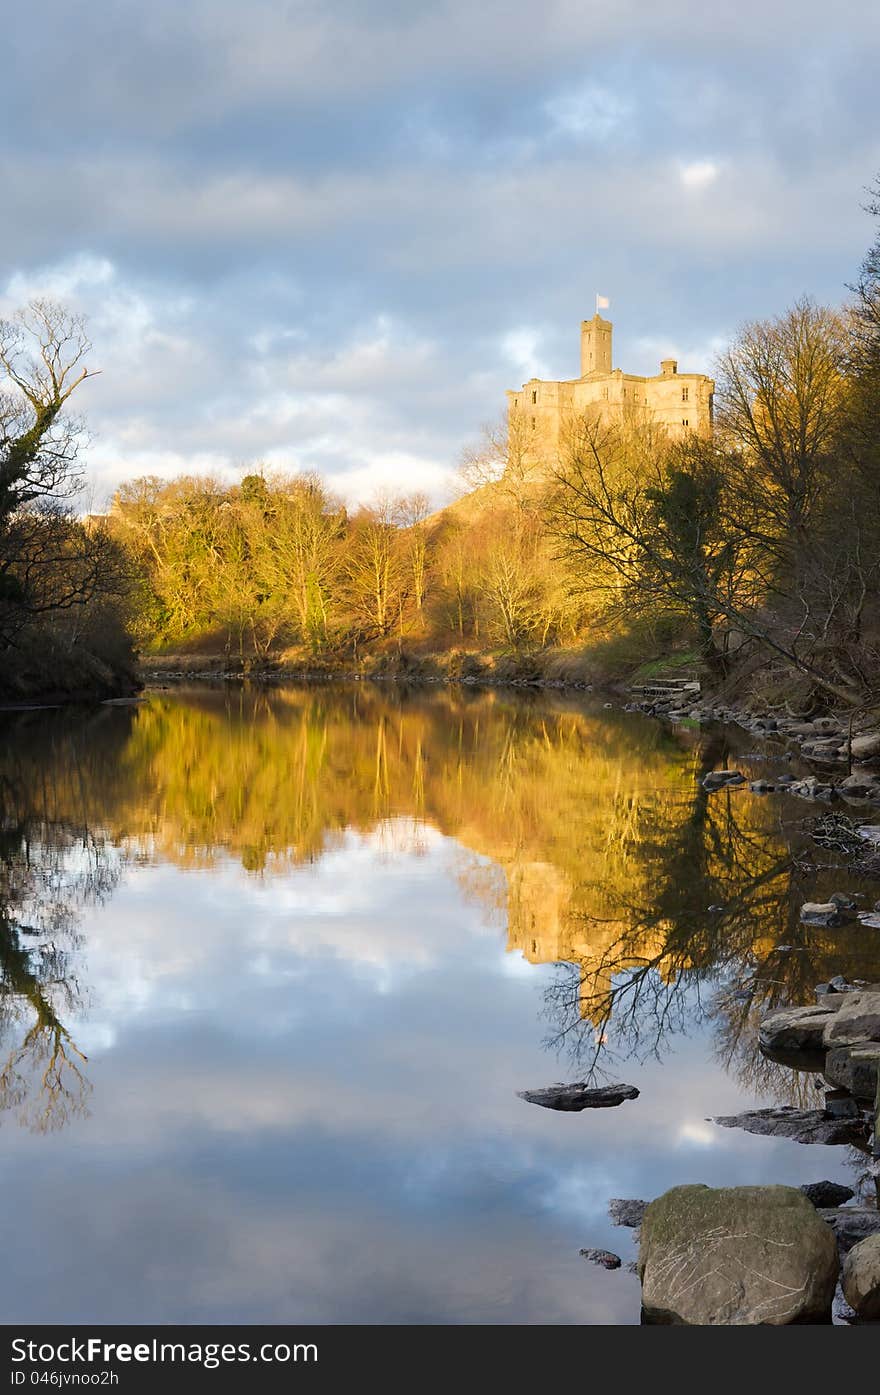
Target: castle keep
(679,401)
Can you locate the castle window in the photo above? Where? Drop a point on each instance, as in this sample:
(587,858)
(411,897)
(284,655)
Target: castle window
(684,394)
(533,423)
(685,422)
(605,394)
(535,395)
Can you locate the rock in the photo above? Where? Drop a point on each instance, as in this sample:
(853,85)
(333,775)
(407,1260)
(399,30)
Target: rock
(625,1212)
(842,900)
(860,785)
(827,1193)
(811,788)
(850,1224)
(801,1125)
(603,1257)
(720,779)
(762,787)
(857,1019)
(826,913)
(839,984)
(737,1256)
(870,832)
(870,920)
(579,1096)
(867,746)
(841,1104)
(796,1036)
(861,1277)
(855,1068)
(826,993)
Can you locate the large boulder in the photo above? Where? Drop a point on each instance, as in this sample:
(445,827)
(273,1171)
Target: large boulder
(861,1277)
(857,1019)
(854,1068)
(795,1036)
(736,1256)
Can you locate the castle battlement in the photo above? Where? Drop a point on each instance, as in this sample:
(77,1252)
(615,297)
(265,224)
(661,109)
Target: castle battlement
(680,402)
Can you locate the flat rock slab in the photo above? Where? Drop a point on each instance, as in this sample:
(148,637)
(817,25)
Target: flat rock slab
(857,1019)
(796,1036)
(735,1257)
(603,1257)
(801,1125)
(579,1096)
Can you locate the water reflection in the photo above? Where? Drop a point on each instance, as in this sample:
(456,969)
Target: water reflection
(53,864)
(306,939)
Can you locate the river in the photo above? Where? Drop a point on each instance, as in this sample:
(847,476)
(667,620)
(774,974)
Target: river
(276,963)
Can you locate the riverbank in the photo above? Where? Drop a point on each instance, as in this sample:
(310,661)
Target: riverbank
(47,668)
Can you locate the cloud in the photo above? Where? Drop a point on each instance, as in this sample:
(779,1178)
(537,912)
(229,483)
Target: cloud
(332,235)
(589,112)
(699,174)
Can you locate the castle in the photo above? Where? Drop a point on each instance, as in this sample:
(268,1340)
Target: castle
(679,401)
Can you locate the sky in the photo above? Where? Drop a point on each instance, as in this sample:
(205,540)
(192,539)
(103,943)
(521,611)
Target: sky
(327,234)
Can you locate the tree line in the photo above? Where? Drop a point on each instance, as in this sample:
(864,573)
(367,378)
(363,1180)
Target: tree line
(755,546)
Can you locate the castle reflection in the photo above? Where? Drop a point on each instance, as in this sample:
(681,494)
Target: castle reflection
(585,833)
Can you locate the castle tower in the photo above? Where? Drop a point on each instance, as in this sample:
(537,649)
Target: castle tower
(595,345)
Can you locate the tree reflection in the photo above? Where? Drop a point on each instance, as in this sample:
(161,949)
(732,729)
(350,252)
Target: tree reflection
(51,866)
(707,933)
(587,834)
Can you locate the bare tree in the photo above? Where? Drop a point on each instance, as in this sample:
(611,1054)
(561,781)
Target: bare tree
(42,352)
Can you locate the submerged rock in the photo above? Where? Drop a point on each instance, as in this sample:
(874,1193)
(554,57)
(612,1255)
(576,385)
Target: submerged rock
(626,1212)
(801,1125)
(827,1193)
(720,779)
(579,1096)
(603,1257)
(861,1278)
(736,1256)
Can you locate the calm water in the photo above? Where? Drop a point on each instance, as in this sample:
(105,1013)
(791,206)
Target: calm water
(275,965)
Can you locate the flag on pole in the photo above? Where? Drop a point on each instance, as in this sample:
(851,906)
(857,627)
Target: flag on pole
(602,303)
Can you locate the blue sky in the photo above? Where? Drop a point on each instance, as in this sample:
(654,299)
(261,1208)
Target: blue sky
(329,235)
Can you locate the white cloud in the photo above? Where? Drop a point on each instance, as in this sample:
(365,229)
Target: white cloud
(699,174)
(521,347)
